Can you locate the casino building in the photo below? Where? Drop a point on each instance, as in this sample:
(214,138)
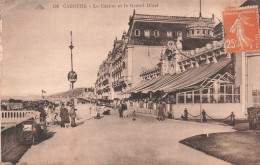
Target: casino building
(140,49)
(182,61)
(201,78)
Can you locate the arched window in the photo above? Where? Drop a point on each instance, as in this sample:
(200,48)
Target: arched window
(179,33)
(192,31)
(156,33)
(137,32)
(169,33)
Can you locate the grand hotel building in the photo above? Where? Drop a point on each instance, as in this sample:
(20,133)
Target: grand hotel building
(182,60)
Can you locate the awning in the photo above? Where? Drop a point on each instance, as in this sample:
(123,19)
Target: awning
(144,84)
(152,83)
(193,78)
(137,86)
(190,77)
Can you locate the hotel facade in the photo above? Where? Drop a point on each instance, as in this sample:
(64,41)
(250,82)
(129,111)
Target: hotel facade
(182,62)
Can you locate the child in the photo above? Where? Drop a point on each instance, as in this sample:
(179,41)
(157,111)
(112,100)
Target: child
(134,116)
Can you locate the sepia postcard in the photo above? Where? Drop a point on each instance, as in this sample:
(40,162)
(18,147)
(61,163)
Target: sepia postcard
(130,82)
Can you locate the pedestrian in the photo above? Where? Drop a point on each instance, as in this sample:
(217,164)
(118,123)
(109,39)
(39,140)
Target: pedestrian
(185,117)
(134,116)
(42,113)
(232,116)
(160,111)
(65,120)
(73,116)
(120,109)
(62,109)
(204,119)
(124,108)
(99,110)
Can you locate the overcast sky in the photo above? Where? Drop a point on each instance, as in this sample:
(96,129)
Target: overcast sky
(35,42)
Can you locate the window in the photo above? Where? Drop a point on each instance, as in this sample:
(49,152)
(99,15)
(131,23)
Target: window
(210,33)
(204,31)
(170,43)
(192,31)
(156,33)
(169,33)
(198,31)
(147,33)
(225,94)
(137,32)
(179,34)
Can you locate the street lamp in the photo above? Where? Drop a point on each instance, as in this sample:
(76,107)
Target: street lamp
(72,75)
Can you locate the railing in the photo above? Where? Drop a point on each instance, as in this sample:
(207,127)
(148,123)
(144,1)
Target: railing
(15,115)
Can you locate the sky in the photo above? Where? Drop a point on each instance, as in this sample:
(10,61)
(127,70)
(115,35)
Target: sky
(35,42)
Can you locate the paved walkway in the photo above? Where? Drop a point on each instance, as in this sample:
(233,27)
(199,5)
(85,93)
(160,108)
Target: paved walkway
(112,140)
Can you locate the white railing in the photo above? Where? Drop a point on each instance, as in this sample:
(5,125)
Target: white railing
(12,116)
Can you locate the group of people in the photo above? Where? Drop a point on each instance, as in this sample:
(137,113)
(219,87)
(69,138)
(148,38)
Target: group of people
(96,110)
(68,116)
(121,108)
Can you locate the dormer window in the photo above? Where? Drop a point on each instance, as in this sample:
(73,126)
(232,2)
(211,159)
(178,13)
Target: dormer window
(156,33)
(137,32)
(179,34)
(169,33)
(147,33)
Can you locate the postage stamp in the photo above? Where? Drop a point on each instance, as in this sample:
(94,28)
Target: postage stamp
(241,29)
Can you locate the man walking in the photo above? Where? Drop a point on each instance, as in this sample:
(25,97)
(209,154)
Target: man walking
(120,109)
(62,111)
(64,115)
(73,116)
(161,112)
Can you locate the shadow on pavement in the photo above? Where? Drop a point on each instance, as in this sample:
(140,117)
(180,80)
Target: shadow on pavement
(15,154)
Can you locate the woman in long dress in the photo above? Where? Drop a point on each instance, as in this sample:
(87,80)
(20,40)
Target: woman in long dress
(160,112)
(64,114)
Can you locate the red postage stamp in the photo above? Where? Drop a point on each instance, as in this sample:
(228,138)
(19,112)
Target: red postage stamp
(241,29)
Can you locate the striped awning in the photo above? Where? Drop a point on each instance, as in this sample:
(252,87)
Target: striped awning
(196,77)
(152,83)
(144,84)
(189,78)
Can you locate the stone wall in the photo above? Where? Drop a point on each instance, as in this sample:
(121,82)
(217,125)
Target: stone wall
(11,138)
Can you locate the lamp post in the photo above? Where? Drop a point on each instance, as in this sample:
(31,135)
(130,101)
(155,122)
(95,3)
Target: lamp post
(72,75)
(200,103)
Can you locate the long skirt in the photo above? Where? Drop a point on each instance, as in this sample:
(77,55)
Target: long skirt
(66,119)
(73,122)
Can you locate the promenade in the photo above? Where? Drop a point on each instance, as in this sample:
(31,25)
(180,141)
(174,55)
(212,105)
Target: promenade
(113,140)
